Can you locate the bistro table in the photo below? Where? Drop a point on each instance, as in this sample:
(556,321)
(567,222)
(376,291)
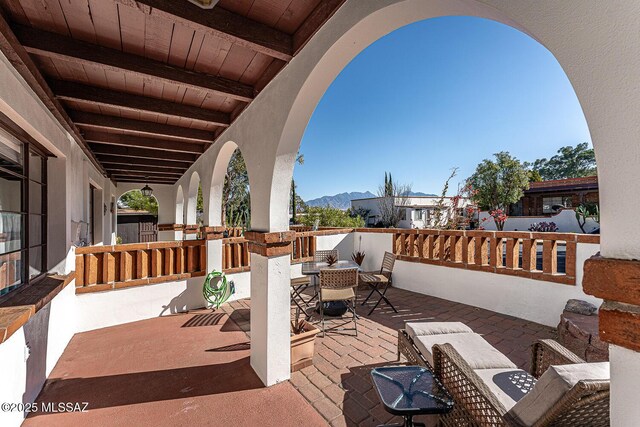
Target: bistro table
(410,390)
(312,269)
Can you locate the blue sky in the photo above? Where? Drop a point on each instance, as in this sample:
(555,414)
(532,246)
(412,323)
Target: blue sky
(433,95)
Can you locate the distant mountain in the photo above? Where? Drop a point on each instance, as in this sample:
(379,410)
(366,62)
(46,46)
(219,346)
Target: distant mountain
(340,201)
(419,194)
(343,200)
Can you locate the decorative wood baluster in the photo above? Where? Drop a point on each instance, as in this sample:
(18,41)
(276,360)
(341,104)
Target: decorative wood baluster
(550,257)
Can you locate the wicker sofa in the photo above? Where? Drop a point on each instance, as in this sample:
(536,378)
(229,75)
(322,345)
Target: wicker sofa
(489,390)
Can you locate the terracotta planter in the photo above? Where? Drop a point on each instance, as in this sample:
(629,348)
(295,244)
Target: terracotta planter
(302,347)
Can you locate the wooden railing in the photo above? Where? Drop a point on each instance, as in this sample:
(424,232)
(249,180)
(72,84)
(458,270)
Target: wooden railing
(235,250)
(101,268)
(541,256)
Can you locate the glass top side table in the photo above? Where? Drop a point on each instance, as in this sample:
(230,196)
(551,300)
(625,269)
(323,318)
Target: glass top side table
(410,390)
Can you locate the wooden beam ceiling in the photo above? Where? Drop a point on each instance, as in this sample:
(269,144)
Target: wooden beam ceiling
(129,161)
(320,15)
(98,96)
(116,139)
(140,180)
(22,62)
(221,23)
(55,46)
(99,121)
(150,175)
(153,170)
(142,153)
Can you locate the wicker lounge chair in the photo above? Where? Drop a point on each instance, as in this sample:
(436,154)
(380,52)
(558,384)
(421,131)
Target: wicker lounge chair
(489,390)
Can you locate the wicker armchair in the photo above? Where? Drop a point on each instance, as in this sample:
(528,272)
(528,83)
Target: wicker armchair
(339,285)
(585,404)
(321,256)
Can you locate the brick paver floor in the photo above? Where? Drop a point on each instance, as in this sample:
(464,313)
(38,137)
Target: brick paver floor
(338,383)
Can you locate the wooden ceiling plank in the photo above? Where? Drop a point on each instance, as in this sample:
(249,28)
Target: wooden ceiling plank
(116,172)
(94,95)
(55,46)
(124,160)
(116,139)
(143,169)
(221,23)
(77,13)
(22,62)
(143,153)
(320,15)
(106,23)
(139,126)
(144,181)
(132,23)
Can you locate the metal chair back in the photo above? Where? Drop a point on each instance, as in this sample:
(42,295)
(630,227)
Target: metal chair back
(387,263)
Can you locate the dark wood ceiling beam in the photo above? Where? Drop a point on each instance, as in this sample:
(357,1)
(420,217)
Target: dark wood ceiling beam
(99,121)
(149,170)
(133,162)
(221,23)
(22,62)
(98,96)
(153,175)
(55,46)
(133,179)
(142,153)
(136,141)
(320,15)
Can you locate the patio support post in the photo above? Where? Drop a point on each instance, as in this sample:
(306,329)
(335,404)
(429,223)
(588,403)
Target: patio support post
(270,310)
(213,236)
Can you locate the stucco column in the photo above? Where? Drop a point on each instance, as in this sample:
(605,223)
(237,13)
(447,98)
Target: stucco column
(270,309)
(213,236)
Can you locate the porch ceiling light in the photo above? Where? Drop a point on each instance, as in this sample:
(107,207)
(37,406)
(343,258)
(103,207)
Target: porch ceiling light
(205,4)
(146,191)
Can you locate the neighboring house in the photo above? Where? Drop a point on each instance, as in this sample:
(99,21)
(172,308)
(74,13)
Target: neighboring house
(417,212)
(549,197)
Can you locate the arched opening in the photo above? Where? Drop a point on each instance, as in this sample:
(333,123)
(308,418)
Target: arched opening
(193,212)
(179,217)
(230,201)
(137,218)
(475,87)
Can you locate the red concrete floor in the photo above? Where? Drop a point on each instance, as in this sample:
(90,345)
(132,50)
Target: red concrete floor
(188,369)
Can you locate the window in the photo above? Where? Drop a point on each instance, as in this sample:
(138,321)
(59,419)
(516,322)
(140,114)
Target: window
(403,214)
(554,204)
(23,220)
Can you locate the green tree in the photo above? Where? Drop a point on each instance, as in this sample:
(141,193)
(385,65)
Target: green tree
(236,201)
(392,199)
(295,199)
(135,200)
(330,217)
(570,162)
(497,184)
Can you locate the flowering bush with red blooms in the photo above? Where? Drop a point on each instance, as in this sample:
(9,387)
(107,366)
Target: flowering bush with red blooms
(499,217)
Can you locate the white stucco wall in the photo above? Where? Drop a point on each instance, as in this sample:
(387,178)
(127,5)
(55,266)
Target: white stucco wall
(29,355)
(565,220)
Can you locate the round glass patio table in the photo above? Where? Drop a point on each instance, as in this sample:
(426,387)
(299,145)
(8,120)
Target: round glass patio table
(410,390)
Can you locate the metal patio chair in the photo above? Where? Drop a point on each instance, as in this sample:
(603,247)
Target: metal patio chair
(380,280)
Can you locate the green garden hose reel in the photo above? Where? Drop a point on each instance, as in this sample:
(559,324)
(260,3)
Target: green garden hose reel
(216,289)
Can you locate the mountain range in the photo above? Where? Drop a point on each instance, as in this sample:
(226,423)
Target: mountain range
(343,200)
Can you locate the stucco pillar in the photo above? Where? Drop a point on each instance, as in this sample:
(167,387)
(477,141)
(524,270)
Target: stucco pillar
(213,236)
(270,309)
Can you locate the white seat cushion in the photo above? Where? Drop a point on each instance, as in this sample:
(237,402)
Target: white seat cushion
(478,353)
(418,329)
(552,385)
(507,385)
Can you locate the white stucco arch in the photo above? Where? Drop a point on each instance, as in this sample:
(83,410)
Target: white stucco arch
(179,212)
(213,207)
(192,199)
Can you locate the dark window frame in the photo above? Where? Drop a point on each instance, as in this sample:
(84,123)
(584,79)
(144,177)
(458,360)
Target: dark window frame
(29,147)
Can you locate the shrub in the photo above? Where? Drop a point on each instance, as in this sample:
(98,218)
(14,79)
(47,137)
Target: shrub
(329,217)
(546,227)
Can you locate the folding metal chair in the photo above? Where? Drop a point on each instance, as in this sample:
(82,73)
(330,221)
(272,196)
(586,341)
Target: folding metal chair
(381,279)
